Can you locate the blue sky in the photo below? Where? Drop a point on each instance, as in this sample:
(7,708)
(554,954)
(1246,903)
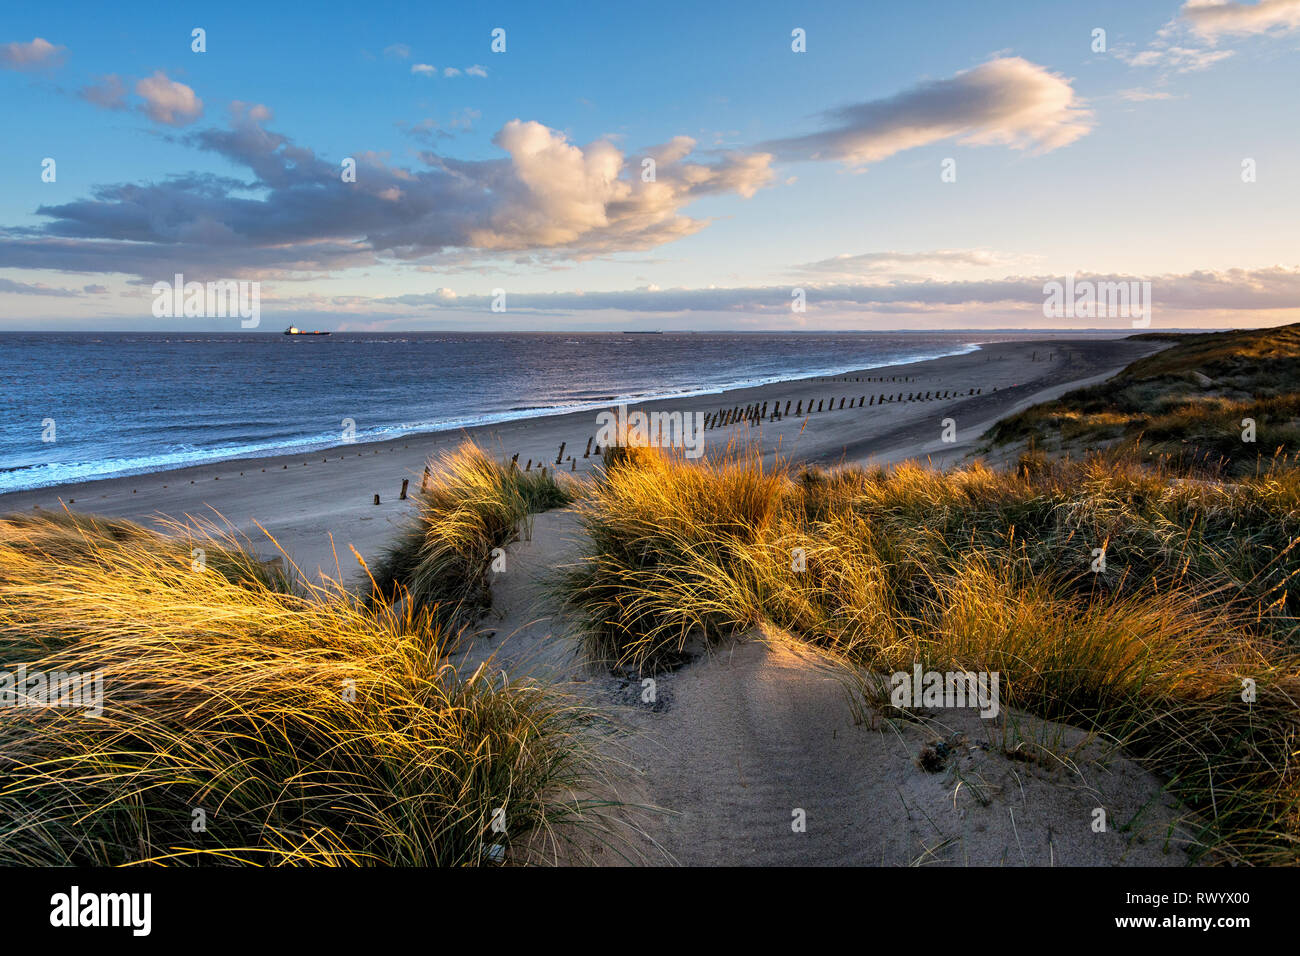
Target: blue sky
(521,170)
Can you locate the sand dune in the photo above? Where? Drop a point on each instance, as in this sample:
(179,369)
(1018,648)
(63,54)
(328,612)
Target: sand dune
(739,740)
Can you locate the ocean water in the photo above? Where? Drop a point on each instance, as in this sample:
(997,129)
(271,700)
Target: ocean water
(128,403)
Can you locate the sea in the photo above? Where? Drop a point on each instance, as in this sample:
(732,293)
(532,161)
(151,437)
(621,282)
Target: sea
(82,405)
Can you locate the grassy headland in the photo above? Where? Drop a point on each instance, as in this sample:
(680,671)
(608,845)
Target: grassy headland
(1193,402)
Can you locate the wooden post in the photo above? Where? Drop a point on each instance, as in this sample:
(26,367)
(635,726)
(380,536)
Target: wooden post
(424,482)
(405,482)
(560,457)
(514,462)
(376,499)
(587,453)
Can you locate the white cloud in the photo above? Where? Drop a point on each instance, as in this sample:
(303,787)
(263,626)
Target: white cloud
(562,195)
(398,51)
(427,69)
(1171,56)
(1214,18)
(168,101)
(897,264)
(1007,101)
(1139,95)
(37,55)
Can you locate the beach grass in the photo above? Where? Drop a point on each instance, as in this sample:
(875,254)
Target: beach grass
(242,722)
(1220,403)
(1182,646)
(473,506)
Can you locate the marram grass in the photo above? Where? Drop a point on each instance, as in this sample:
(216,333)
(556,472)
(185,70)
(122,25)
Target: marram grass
(473,505)
(992,571)
(243,724)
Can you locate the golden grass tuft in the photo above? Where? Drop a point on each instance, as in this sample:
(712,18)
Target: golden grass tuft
(473,505)
(299,728)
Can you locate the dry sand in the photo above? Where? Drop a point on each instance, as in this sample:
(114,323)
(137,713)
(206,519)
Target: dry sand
(740,740)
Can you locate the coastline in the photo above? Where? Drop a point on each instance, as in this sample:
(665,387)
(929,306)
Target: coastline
(317,503)
(309,445)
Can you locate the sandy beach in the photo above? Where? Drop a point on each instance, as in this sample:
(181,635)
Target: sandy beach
(304,498)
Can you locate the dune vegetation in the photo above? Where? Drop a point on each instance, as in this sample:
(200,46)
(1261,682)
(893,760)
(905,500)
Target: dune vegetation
(1221,403)
(473,506)
(247,721)
(1182,644)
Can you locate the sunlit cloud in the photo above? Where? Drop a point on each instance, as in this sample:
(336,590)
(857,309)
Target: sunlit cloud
(1009,102)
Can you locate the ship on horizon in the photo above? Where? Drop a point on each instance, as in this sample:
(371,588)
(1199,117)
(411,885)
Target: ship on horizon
(294,330)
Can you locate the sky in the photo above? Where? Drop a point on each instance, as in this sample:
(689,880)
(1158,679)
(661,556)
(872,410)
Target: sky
(569,166)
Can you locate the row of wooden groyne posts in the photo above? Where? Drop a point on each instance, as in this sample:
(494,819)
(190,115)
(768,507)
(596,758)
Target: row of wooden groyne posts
(756,412)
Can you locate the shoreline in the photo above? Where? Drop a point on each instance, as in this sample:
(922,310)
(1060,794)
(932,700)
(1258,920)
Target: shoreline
(318,503)
(488,421)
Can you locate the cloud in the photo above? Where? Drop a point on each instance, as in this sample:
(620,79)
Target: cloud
(168,101)
(1215,18)
(428,69)
(1190,42)
(1142,96)
(1273,288)
(1171,56)
(38,55)
(1007,101)
(11,287)
(108,92)
(398,51)
(883,263)
(293,214)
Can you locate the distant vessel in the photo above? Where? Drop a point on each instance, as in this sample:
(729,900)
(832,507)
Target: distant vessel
(643,331)
(294,330)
